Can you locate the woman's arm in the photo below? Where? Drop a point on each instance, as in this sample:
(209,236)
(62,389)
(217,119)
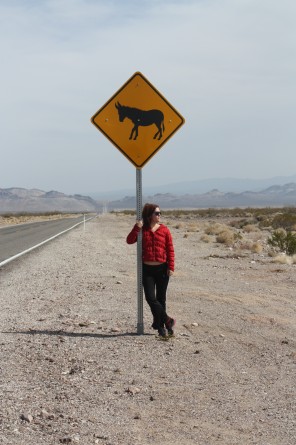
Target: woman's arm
(170,252)
(133,235)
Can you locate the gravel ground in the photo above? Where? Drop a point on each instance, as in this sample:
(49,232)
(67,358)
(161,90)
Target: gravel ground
(73,369)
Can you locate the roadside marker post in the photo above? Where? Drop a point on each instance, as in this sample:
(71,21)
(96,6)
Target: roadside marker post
(138,120)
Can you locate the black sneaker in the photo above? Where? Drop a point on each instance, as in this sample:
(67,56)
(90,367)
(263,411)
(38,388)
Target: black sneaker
(169,325)
(162,333)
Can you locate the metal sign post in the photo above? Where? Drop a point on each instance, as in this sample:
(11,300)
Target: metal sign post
(140,325)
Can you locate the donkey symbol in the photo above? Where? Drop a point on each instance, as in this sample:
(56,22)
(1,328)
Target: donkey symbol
(141,118)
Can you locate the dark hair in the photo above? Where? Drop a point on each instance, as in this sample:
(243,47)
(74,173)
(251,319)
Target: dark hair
(147,213)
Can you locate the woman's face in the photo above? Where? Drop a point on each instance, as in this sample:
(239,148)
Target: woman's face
(155,218)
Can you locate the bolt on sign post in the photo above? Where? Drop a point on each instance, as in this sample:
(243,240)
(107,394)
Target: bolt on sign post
(138,120)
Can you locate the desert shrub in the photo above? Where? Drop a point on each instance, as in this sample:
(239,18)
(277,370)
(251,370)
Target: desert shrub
(283,241)
(225,237)
(282,259)
(237,236)
(250,228)
(237,223)
(285,220)
(277,239)
(242,223)
(256,236)
(206,238)
(215,229)
(179,225)
(265,222)
(253,247)
(192,227)
(257,247)
(179,213)
(28,214)
(245,243)
(249,215)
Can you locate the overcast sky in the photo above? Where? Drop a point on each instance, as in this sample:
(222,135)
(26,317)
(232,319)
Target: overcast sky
(228,66)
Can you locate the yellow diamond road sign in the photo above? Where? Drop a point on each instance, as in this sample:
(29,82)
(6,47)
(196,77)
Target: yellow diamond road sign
(138,120)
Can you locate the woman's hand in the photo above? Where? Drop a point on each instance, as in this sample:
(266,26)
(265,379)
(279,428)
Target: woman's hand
(170,273)
(139,224)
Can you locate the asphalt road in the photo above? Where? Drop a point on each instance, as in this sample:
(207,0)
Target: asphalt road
(16,239)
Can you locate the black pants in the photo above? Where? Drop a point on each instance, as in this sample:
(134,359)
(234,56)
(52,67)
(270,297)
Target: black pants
(155,283)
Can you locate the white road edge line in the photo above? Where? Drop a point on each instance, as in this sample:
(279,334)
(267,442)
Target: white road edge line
(14,257)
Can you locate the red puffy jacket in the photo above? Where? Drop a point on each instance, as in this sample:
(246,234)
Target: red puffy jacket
(156,246)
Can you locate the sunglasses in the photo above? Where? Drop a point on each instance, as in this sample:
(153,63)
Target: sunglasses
(157,213)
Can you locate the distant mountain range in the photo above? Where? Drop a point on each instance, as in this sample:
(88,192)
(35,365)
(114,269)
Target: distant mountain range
(274,196)
(226,185)
(17,200)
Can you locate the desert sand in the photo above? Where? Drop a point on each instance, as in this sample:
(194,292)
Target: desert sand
(74,370)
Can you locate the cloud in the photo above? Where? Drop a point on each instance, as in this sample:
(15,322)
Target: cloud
(227,66)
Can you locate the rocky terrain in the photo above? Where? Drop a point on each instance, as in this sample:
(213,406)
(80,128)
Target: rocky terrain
(73,369)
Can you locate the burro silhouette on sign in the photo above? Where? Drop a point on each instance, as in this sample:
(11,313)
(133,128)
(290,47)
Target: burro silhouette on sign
(141,118)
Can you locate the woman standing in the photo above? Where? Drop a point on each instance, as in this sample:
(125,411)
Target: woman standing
(158,265)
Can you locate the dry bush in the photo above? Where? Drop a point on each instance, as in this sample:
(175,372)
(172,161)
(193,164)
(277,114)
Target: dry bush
(241,223)
(185,235)
(12,219)
(256,236)
(206,238)
(250,228)
(179,225)
(257,247)
(244,245)
(193,227)
(225,237)
(216,229)
(286,220)
(283,259)
(177,213)
(282,231)
(247,244)
(235,223)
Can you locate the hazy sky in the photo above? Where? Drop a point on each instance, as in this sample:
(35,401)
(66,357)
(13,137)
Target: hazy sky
(228,66)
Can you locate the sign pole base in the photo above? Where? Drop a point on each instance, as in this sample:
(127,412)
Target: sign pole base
(140,325)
